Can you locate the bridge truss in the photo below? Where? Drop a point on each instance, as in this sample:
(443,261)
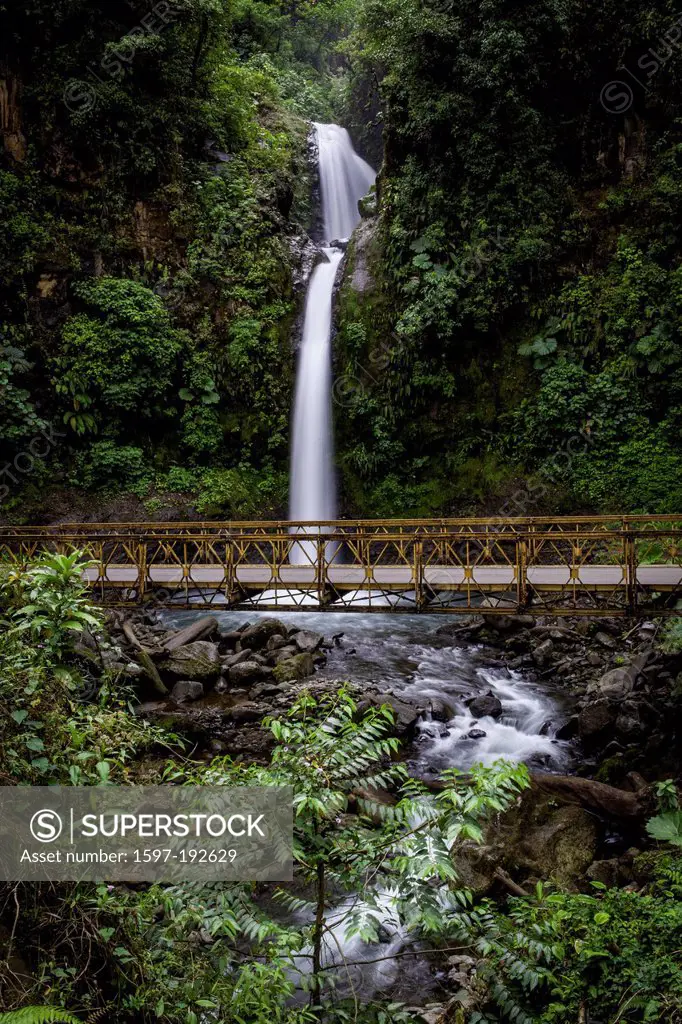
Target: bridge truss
(610,565)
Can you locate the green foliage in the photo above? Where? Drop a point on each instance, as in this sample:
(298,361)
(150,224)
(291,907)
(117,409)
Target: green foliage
(666,827)
(546,242)
(20,421)
(108,466)
(241,493)
(48,731)
(50,602)
(120,355)
(670,640)
(612,953)
(39,1015)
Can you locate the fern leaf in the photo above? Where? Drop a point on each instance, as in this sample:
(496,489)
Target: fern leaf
(39,1015)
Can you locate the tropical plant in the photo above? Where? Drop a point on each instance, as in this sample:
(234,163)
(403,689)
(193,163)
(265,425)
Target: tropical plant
(51,602)
(39,1015)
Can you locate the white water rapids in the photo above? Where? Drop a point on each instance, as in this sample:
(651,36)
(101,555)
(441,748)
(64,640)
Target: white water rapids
(344,180)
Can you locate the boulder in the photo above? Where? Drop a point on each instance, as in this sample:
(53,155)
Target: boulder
(595,719)
(275,641)
(257,636)
(569,730)
(543,652)
(247,672)
(249,711)
(563,847)
(187,689)
(629,723)
(300,666)
(605,871)
(487,705)
(282,654)
(406,715)
(235,659)
(198,660)
(615,684)
(305,640)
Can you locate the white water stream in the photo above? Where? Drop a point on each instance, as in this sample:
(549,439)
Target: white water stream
(344,180)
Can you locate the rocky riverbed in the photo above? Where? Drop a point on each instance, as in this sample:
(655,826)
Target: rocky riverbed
(590,705)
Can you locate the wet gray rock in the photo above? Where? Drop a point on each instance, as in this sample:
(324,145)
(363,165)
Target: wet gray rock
(543,652)
(247,672)
(306,640)
(257,636)
(275,641)
(235,659)
(615,684)
(282,654)
(198,660)
(406,715)
(249,711)
(305,257)
(597,718)
(629,723)
(476,734)
(569,730)
(486,705)
(187,689)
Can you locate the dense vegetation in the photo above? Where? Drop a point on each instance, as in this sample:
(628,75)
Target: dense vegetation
(525,317)
(154,169)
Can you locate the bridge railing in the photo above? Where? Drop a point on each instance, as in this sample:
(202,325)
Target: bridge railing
(572,570)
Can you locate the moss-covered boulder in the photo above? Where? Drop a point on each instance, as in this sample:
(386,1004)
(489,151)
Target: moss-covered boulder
(300,666)
(200,660)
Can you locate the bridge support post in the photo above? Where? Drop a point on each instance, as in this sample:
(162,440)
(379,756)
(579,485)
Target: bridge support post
(522,571)
(321,569)
(141,568)
(630,566)
(418,574)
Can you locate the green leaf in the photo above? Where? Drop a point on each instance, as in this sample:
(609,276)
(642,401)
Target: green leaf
(667,828)
(19,716)
(35,743)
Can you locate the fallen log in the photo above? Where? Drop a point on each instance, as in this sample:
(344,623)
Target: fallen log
(131,636)
(195,631)
(151,671)
(594,796)
(597,796)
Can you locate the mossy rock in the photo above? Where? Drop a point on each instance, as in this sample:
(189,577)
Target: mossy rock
(300,666)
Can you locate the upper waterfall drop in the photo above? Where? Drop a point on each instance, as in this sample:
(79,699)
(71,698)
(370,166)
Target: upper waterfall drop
(344,179)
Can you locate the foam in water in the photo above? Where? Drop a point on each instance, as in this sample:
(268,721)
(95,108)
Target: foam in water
(344,179)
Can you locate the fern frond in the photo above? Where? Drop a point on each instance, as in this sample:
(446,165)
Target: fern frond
(39,1015)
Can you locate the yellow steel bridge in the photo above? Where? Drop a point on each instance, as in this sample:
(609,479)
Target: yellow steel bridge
(606,565)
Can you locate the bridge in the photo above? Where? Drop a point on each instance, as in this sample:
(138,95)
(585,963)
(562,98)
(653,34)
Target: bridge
(607,565)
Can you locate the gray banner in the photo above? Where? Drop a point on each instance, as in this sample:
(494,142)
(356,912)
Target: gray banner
(145,833)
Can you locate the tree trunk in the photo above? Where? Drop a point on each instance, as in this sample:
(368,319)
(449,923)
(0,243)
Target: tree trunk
(318,933)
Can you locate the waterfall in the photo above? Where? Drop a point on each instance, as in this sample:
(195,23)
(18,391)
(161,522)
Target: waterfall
(344,179)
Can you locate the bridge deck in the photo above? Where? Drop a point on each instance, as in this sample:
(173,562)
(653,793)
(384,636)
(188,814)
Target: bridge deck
(663,576)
